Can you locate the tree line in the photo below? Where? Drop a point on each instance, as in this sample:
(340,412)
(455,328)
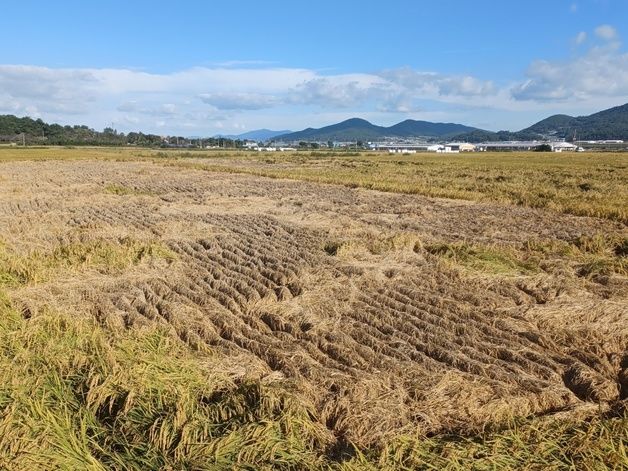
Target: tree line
(37,132)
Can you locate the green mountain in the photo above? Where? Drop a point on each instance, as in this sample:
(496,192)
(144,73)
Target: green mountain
(607,124)
(256,135)
(489,136)
(554,124)
(357,129)
(354,129)
(261,134)
(412,128)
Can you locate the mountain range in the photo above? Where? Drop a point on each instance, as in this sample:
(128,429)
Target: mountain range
(608,124)
(356,129)
(256,135)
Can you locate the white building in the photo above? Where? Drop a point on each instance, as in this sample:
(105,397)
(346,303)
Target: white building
(563,147)
(402,151)
(462,147)
(448,150)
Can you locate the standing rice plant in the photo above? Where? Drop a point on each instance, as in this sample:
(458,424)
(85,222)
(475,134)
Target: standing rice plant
(73,398)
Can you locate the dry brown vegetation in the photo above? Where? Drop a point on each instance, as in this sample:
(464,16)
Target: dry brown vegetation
(580,184)
(335,325)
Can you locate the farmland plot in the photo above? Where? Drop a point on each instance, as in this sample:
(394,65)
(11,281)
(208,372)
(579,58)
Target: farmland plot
(389,312)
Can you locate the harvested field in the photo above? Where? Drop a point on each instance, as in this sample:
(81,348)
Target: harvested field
(581,184)
(388,313)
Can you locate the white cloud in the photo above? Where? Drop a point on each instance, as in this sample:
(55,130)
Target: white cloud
(339,91)
(601,72)
(431,84)
(167,109)
(164,109)
(132,120)
(606,32)
(224,89)
(573,8)
(580,38)
(239,101)
(466,86)
(129,106)
(40,89)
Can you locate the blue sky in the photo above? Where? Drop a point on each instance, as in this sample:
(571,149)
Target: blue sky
(199,68)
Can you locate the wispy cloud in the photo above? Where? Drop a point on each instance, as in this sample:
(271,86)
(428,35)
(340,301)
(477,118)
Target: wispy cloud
(239,101)
(606,32)
(580,38)
(602,71)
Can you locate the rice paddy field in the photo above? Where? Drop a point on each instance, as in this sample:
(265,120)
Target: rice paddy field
(228,310)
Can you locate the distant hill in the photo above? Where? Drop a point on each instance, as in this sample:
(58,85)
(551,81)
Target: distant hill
(411,128)
(554,124)
(257,135)
(608,124)
(349,130)
(357,129)
(489,136)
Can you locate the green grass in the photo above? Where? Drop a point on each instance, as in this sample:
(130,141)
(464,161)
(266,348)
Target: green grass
(588,256)
(540,444)
(492,260)
(73,396)
(601,254)
(121,190)
(106,256)
(373,244)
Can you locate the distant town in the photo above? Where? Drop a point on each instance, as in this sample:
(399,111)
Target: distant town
(414,146)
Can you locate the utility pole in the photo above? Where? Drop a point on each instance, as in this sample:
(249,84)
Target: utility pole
(23,140)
